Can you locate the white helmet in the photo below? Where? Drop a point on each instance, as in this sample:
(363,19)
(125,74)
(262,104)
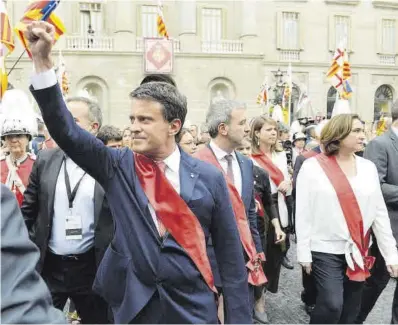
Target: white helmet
(18,114)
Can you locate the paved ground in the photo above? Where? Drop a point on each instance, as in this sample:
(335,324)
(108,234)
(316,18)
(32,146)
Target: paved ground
(285,307)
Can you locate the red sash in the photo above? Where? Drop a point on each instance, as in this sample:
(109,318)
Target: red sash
(352,215)
(310,154)
(274,172)
(175,215)
(256,277)
(261,210)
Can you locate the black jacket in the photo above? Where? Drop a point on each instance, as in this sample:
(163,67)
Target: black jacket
(38,205)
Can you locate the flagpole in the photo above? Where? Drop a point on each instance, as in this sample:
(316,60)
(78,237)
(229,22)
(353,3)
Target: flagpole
(290,95)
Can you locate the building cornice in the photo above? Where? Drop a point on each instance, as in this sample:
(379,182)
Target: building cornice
(386,4)
(343,2)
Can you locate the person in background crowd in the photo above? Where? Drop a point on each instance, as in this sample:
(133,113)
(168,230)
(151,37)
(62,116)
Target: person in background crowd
(37,141)
(193,129)
(266,214)
(298,146)
(68,218)
(16,131)
(186,141)
(267,154)
(337,191)
(204,136)
(110,136)
(48,143)
(157,260)
(126,138)
(383,151)
(25,298)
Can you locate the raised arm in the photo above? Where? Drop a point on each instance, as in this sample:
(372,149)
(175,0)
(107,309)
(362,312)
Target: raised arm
(230,259)
(81,146)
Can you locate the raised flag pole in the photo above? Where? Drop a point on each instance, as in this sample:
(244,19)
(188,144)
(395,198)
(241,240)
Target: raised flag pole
(290,94)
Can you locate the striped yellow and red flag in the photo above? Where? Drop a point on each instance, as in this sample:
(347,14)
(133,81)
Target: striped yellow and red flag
(6,37)
(3,74)
(7,45)
(162,30)
(40,10)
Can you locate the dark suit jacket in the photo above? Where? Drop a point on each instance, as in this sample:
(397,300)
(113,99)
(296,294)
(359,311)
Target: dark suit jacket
(246,167)
(141,274)
(38,205)
(383,151)
(25,298)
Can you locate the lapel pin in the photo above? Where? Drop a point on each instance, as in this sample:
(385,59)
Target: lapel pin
(192,175)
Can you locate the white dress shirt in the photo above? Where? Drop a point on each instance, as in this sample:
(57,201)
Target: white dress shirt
(320,222)
(220,155)
(172,173)
(83,206)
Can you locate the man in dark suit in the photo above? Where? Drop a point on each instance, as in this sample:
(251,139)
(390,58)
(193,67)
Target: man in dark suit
(165,204)
(25,298)
(69,264)
(228,127)
(383,151)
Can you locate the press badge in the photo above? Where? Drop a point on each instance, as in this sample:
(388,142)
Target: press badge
(73,227)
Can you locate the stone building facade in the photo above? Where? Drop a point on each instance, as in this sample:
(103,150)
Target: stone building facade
(226,49)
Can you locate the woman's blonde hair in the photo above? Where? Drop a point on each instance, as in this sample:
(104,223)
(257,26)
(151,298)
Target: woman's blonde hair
(257,125)
(336,130)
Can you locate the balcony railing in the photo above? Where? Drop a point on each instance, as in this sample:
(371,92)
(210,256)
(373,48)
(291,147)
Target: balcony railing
(222,46)
(140,44)
(85,43)
(387,59)
(289,55)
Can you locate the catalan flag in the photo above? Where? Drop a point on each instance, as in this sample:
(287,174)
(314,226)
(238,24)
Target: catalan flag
(339,73)
(262,97)
(162,30)
(6,46)
(40,10)
(61,74)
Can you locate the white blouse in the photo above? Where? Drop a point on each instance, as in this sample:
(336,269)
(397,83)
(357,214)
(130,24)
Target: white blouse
(320,223)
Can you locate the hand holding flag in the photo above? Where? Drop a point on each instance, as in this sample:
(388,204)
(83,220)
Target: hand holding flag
(41,36)
(40,11)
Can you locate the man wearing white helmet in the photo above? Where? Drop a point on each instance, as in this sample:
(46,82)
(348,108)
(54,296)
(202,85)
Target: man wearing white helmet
(17,128)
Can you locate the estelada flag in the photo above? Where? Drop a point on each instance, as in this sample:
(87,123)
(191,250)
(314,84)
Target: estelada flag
(36,11)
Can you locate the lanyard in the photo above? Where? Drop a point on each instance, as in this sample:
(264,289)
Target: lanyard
(71,194)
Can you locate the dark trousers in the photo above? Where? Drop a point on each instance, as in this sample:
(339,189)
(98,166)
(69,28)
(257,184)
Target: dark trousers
(374,286)
(308,296)
(72,277)
(338,299)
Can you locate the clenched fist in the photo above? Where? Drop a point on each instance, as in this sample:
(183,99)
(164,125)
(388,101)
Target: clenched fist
(40,35)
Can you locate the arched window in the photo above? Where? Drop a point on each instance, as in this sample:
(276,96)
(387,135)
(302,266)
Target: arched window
(221,88)
(383,101)
(332,96)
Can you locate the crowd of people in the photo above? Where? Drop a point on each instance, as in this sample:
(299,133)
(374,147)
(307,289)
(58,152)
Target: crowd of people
(168,221)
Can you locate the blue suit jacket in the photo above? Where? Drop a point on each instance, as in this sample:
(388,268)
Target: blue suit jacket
(246,167)
(143,278)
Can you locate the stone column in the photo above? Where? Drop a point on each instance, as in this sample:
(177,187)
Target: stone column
(123,32)
(249,26)
(189,39)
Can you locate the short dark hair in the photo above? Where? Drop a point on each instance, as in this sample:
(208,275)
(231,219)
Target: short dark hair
(159,78)
(109,133)
(174,103)
(94,110)
(394,111)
